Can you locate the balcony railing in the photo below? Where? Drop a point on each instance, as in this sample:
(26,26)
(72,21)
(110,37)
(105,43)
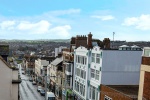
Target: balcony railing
(146,60)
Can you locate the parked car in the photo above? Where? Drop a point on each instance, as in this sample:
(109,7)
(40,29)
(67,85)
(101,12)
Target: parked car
(30,79)
(50,96)
(34,83)
(23,72)
(42,92)
(39,88)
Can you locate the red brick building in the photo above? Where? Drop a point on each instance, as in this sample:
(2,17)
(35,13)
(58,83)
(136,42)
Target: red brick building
(88,42)
(144,84)
(118,92)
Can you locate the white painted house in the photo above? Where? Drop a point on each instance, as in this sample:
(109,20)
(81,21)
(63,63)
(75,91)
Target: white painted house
(9,81)
(109,67)
(39,69)
(81,73)
(94,80)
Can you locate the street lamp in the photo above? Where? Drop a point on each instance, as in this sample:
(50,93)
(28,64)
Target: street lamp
(113,38)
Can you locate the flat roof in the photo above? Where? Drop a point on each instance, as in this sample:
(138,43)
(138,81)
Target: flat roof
(129,90)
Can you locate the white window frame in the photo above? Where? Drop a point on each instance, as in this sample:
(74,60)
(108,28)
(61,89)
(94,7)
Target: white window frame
(97,75)
(92,73)
(82,73)
(93,93)
(98,58)
(93,57)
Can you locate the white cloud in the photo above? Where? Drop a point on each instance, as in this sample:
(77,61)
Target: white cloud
(107,17)
(7,24)
(40,27)
(142,22)
(46,25)
(61,31)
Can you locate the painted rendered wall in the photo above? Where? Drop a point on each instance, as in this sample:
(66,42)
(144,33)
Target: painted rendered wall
(121,67)
(15,91)
(144,68)
(95,83)
(82,51)
(15,74)
(5,82)
(52,72)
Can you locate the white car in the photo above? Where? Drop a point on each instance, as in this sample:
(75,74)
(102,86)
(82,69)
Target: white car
(50,96)
(23,72)
(39,88)
(34,83)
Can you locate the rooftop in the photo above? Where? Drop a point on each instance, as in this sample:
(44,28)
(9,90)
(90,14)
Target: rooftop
(57,61)
(129,90)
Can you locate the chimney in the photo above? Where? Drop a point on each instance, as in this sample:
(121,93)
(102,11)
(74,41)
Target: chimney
(89,41)
(106,43)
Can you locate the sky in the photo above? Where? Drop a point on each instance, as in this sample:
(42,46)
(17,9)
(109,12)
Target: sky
(63,19)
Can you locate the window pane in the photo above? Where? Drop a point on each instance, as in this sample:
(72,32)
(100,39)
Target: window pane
(98,58)
(96,95)
(90,92)
(85,61)
(97,75)
(75,85)
(93,93)
(98,55)
(92,73)
(84,90)
(82,73)
(81,89)
(93,57)
(78,86)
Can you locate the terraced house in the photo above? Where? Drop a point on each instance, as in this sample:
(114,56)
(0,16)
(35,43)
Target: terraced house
(9,81)
(68,61)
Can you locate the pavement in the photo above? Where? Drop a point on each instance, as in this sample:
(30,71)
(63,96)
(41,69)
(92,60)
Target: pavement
(27,90)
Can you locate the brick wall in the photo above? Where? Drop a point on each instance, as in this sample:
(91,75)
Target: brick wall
(146,60)
(146,90)
(115,95)
(81,41)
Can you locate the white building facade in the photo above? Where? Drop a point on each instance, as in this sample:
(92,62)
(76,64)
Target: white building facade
(80,73)
(94,80)
(9,89)
(109,67)
(39,69)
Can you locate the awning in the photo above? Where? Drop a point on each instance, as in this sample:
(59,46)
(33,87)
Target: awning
(69,94)
(69,91)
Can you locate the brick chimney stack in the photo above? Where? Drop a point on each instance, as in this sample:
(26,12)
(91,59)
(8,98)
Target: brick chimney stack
(106,43)
(89,41)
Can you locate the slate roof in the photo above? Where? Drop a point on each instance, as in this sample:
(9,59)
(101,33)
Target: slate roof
(57,61)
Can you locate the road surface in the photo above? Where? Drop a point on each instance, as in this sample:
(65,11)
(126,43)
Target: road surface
(27,90)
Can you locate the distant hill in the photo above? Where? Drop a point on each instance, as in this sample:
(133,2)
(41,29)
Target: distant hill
(34,41)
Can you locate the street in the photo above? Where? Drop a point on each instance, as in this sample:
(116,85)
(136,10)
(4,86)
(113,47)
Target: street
(27,90)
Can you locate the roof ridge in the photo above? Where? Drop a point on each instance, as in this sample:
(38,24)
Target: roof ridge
(8,65)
